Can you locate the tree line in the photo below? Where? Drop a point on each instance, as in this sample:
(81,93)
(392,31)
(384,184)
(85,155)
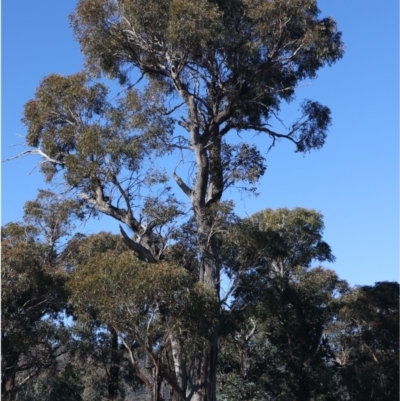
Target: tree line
(287,330)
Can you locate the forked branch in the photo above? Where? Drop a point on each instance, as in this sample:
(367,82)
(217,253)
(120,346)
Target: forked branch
(138,248)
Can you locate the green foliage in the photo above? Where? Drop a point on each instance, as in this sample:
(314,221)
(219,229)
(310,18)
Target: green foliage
(365,339)
(125,291)
(268,45)
(293,315)
(291,332)
(54,217)
(274,344)
(60,383)
(298,235)
(32,297)
(278,241)
(145,304)
(67,119)
(296,332)
(249,55)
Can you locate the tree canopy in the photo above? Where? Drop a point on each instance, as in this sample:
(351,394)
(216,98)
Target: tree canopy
(231,64)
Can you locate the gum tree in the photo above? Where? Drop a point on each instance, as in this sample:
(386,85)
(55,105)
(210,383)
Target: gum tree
(365,338)
(280,309)
(33,291)
(212,68)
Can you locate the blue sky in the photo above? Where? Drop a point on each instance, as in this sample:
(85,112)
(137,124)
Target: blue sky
(353,180)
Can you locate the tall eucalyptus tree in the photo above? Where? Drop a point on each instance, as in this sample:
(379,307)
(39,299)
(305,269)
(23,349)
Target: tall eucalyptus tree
(213,68)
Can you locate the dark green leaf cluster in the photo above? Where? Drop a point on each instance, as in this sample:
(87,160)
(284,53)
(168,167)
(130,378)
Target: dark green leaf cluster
(32,296)
(365,338)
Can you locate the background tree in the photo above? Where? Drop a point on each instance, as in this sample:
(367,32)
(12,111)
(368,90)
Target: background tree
(33,293)
(231,64)
(287,331)
(365,341)
(99,341)
(275,345)
(146,306)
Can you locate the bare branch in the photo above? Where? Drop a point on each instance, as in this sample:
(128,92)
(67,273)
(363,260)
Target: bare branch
(138,248)
(122,192)
(167,113)
(181,183)
(273,134)
(138,372)
(129,86)
(35,152)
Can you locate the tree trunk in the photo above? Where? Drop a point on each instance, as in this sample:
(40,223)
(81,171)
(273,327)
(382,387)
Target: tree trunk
(114,368)
(8,389)
(179,368)
(207,190)
(8,373)
(205,374)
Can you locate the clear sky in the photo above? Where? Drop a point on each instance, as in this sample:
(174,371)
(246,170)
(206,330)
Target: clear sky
(353,180)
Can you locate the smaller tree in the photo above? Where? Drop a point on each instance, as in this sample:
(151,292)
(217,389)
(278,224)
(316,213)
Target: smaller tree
(365,341)
(277,346)
(33,293)
(152,308)
(98,342)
